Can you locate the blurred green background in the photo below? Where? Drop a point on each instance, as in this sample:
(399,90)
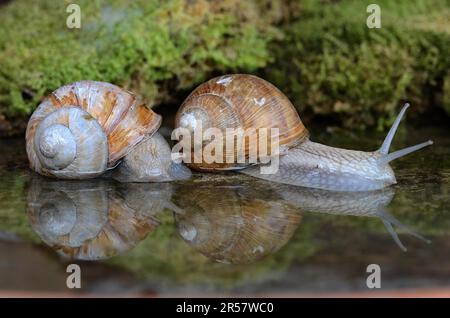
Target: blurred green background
(320,53)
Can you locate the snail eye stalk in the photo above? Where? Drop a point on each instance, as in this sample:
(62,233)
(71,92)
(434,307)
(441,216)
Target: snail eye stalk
(403,152)
(388,140)
(384,149)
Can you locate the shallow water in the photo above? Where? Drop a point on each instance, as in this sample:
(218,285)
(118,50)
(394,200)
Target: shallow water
(228,233)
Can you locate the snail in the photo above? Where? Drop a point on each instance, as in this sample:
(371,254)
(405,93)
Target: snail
(242,220)
(86,128)
(94,219)
(249,102)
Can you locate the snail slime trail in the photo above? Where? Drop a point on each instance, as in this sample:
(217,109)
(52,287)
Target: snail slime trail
(235,147)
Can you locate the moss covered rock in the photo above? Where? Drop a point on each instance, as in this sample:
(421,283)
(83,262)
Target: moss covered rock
(332,64)
(322,53)
(146,46)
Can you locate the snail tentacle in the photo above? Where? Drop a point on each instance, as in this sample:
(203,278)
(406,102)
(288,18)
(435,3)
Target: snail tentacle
(387,217)
(394,235)
(384,149)
(402,152)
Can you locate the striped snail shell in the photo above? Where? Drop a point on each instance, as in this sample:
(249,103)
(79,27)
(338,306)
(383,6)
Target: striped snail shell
(84,128)
(240,101)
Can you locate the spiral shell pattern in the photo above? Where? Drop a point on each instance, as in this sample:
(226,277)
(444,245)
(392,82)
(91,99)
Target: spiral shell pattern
(92,125)
(240,101)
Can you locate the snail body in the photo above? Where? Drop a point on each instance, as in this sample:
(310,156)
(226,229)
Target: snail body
(319,166)
(244,101)
(150,161)
(86,128)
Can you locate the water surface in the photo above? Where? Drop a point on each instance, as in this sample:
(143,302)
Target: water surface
(228,233)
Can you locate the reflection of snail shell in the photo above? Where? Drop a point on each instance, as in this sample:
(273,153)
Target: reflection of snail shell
(148,198)
(85,220)
(234,226)
(84,128)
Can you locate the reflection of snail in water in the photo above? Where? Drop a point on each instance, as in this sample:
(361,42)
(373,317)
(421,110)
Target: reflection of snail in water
(148,197)
(91,220)
(234,224)
(243,223)
(246,101)
(370,204)
(85,128)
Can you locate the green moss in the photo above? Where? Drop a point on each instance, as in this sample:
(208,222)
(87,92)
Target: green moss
(139,44)
(326,60)
(332,64)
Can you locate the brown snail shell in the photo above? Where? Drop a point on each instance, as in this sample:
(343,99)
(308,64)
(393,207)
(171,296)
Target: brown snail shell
(84,128)
(240,101)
